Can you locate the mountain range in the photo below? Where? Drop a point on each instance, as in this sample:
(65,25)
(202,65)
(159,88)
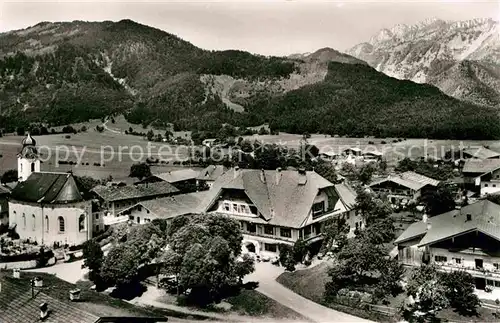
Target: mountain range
(462,58)
(66,72)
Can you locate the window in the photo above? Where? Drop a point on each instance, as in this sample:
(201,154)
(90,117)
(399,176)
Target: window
(97,216)
(24,221)
(270,247)
(46,223)
(139,208)
(33,220)
(81,223)
(318,209)
(286,233)
(458,261)
(440,258)
(244,209)
(138,220)
(307,231)
(227,208)
(147,211)
(21,167)
(496,265)
(494,185)
(497,283)
(268,229)
(32,167)
(251,227)
(485,185)
(97,228)
(235,207)
(61,224)
(253,209)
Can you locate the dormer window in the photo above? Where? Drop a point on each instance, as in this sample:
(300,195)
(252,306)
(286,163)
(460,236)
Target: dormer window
(318,209)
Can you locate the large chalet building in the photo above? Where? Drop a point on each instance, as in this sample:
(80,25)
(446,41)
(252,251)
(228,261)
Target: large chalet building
(482,176)
(280,206)
(463,239)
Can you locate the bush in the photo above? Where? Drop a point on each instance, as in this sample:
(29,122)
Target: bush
(67,137)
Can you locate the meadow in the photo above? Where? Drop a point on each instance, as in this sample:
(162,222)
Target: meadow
(114,151)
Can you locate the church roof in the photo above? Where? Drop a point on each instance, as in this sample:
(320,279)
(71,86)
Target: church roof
(29,141)
(48,188)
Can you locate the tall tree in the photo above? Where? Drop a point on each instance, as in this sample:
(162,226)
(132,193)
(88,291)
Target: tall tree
(141,170)
(439,201)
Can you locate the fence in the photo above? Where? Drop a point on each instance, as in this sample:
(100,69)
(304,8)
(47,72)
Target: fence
(385,310)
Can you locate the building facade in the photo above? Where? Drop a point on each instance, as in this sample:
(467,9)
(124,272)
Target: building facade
(275,207)
(465,239)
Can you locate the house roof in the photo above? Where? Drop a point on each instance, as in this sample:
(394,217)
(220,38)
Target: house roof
(127,192)
(415,230)
(282,197)
(48,188)
(481,152)
(409,179)
(485,217)
(212,172)
(172,206)
(481,166)
(346,194)
(19,306)
(178,175)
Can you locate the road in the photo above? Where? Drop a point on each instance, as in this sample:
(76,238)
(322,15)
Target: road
(266,274)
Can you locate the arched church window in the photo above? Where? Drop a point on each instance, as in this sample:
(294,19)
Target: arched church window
(61,224)
(32,167)
(46,223)
(33,219)
(81,223)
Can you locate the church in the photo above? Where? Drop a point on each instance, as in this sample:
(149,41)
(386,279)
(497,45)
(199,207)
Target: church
(48,207)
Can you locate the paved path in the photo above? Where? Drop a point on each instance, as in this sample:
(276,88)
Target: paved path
(266,274)
(149,298)
(68,271)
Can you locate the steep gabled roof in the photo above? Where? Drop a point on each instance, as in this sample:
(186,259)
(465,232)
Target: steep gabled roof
(484,217)
(48,188)
(127,192)
(479,166)
(346,194)
(282,197)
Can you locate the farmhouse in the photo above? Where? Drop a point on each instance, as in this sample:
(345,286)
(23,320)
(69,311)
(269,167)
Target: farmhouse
(48,207)
(164,208)
(480,153)
(466,239)
(280,206)
(482,176)
(405,187)
(56,301)
(114,199)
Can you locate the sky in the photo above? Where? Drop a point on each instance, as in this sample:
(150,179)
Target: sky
(268,27)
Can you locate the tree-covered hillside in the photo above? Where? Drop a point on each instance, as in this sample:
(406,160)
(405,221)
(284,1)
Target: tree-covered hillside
(356,100)
(59,73)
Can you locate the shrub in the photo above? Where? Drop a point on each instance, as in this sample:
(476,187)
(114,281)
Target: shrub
(67,137)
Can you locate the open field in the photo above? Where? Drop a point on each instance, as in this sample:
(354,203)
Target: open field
(116,151)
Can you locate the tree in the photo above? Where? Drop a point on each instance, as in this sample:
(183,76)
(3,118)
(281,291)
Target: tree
(460,287)
(371,207)
(120,268)
(140,171)
(20,131)
(380,231)
(335,234)
(93,258)
(365,174)
(286,257)
(204,254)
(10,176)
(439,201)
(83,129)
(150,135)
(87,182)
(327,171)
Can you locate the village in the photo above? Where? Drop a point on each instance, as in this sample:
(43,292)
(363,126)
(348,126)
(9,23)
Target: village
(288,221)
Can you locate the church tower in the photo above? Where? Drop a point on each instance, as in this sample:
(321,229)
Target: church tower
(28,160)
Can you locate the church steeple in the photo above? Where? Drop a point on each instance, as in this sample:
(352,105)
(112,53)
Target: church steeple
(28,160)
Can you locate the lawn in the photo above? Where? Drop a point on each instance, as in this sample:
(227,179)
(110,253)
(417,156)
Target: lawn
(309,282)
(114,150)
